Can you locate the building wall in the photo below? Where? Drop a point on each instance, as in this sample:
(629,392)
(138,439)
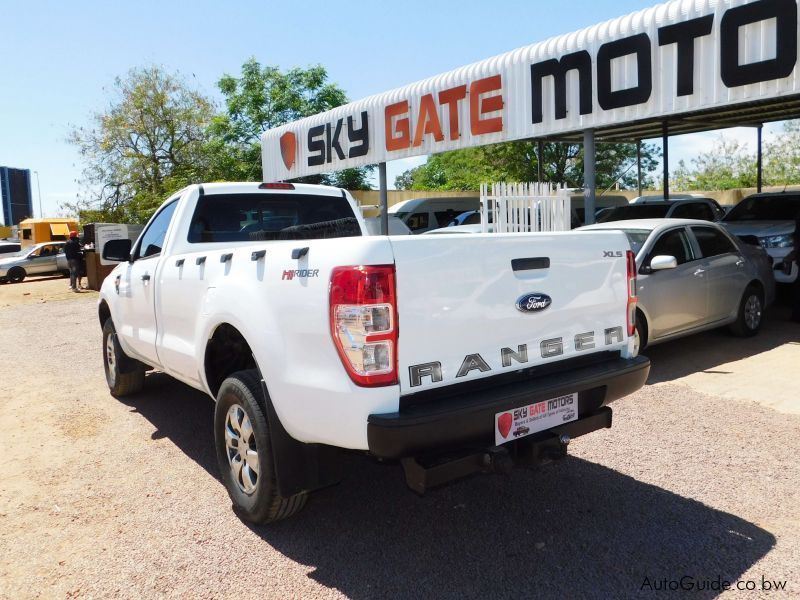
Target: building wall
(16,202)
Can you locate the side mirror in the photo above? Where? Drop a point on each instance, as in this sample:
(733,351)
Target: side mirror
(117,250)
(661,262)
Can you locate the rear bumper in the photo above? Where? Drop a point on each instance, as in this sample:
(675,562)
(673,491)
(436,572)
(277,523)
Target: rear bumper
(468,419)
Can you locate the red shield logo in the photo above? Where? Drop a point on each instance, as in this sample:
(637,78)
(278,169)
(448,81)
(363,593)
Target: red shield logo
(288,149)
(504,423)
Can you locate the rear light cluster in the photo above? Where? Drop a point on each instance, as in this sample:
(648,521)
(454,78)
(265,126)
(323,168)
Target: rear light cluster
(631,260)
(278,185)
(364,322)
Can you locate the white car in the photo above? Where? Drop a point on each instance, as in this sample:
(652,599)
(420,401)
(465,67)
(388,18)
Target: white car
(313,336)
(772,218)
(692,276)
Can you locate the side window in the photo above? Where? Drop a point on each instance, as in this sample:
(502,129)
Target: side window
(694,210)
(444,217)
(712,242)
(417,221)
(673,243)
(153,237)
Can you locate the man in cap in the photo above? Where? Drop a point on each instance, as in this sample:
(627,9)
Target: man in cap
(73,252)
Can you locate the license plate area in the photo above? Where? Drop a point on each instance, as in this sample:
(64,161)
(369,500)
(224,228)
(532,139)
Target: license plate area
(528,419)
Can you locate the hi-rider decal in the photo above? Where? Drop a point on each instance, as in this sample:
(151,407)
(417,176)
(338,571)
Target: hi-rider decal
(547,349)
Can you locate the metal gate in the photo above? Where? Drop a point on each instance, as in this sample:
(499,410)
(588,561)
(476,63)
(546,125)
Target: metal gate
(517,207)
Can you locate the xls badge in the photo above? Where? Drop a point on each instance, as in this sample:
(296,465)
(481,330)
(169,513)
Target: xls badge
(533,302)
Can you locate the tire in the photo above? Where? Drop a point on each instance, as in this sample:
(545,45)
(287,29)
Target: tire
(16,275)
(641,334)
(240,414)
(119,384)
(750,315)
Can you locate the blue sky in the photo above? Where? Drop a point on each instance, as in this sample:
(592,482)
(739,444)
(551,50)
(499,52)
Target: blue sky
(60,58)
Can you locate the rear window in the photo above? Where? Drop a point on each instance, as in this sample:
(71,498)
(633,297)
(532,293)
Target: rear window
(636,211)
(766,208)
(259,217)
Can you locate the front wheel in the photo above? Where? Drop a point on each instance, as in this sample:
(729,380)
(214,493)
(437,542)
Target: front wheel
(119,384)
(17,275)
(751,308)
(244,451)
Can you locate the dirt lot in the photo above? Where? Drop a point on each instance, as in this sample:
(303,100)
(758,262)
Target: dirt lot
(101,498)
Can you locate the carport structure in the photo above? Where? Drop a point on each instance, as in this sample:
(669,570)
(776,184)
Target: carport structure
(681,67)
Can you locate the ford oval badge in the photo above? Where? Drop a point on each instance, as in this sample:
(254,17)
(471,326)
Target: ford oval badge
(533,302)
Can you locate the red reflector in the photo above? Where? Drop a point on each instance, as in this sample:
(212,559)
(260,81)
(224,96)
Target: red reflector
(631,307)
(276,186)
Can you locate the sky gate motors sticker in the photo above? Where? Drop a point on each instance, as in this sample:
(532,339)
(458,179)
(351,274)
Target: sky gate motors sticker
(526,420)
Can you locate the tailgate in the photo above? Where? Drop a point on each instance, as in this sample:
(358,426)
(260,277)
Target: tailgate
(458,297)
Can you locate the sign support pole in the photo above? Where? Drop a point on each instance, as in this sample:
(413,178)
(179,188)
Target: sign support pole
(384,199)
(758,164)
(665,146)
(589,182)
(639,165)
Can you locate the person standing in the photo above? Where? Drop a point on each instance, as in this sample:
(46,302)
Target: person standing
(74,253)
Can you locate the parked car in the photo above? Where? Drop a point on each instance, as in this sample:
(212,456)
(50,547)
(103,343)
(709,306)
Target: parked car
(424,214)
(40,259)
(9,247)
(702,209)
(694,276)
(772,218)
(661,198)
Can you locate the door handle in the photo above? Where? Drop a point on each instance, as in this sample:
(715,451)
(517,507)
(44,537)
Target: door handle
(146,277)
(699,272)
(740,262)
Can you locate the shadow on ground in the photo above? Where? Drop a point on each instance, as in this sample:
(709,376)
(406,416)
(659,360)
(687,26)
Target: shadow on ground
(705,352)
(572,529)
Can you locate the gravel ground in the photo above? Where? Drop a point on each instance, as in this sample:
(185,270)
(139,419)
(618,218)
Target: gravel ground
(101,498)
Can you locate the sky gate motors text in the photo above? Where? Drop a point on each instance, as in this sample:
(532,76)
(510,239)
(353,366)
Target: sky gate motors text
(683,35)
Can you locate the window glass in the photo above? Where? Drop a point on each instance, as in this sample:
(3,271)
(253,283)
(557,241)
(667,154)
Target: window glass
(153,237)
(712,242)
(445,217)
(417,221)
(267,216)
(694,210)
(673,243)
(635,211)
(637,238)
(766,208)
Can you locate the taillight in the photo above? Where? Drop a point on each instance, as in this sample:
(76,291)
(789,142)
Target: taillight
(364,322)
(631,260)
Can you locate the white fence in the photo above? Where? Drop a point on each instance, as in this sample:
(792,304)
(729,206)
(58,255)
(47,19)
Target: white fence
(517,207)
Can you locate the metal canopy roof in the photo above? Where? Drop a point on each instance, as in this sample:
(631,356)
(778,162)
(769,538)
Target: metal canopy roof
(749,114)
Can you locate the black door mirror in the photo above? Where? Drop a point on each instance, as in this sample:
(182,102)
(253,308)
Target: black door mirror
(117,250)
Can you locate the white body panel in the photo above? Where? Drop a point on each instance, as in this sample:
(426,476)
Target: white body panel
(455,296)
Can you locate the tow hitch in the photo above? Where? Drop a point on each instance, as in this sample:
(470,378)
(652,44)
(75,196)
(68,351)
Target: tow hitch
(423,473)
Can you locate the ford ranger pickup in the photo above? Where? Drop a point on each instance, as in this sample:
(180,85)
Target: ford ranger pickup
(452,355)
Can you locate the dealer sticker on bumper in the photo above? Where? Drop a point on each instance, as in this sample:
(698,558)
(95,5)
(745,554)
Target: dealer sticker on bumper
(532,418)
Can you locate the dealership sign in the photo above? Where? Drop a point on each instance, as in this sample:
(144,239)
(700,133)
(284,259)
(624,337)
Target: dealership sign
(668,60)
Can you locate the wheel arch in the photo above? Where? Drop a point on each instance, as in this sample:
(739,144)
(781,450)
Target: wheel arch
(226,352)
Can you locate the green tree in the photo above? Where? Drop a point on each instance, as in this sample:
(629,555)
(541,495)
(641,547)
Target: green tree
(782,156)
(728,165)
(518,161)
(147,143)
(262,98)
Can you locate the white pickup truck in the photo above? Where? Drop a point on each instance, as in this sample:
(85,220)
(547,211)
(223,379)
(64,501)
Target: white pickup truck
(453,354)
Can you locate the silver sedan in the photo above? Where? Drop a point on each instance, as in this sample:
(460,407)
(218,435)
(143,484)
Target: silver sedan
(35,260)
(692,276)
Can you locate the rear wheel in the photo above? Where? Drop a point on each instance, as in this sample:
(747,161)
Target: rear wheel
(16,275)
(244,451)
(751,309)
(119,384)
